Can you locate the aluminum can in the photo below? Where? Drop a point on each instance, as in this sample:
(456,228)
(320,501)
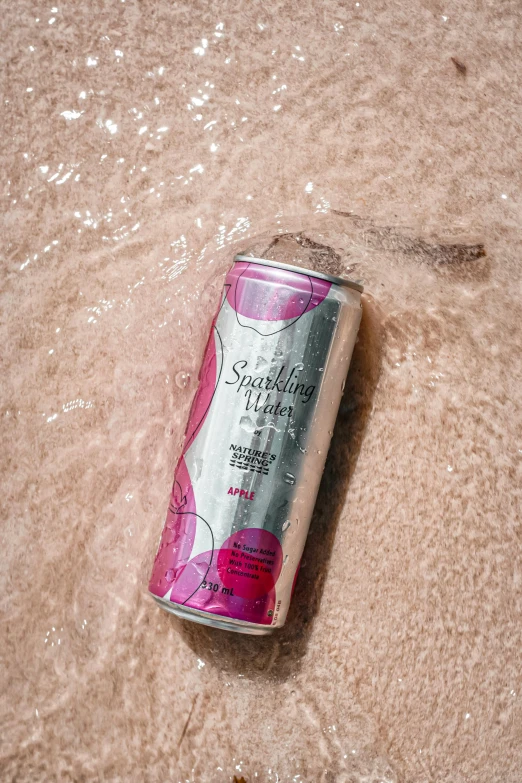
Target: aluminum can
(255,445)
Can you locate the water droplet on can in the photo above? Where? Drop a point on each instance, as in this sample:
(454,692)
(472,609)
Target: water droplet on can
(261,364)
(198,467)
(299,366)
(247,424)
(169,535)
(170,574)
(286,524)
(289,478)
(182,379)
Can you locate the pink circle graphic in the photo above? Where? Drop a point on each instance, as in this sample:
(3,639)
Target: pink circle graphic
(252,293)
(206,591)
(249,562)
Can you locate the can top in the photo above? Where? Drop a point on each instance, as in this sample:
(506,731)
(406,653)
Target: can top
(303,271)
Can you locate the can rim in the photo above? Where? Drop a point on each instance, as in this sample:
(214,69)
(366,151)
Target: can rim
(344,281)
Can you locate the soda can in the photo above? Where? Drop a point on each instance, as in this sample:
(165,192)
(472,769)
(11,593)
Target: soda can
(255,445)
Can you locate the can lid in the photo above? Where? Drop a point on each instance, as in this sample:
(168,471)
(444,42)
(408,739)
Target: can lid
(355,284)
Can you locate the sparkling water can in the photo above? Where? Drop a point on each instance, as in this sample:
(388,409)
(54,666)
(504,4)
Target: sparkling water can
(255,445)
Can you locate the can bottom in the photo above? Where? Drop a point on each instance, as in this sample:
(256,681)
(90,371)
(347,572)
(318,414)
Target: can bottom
(216,621)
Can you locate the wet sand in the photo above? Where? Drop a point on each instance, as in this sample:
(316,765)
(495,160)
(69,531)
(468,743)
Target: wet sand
(144,144)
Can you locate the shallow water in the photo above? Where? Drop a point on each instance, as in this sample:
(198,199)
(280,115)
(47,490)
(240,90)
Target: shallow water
(144,144)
